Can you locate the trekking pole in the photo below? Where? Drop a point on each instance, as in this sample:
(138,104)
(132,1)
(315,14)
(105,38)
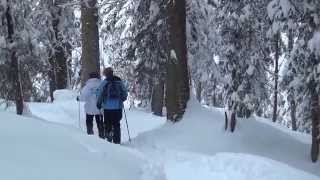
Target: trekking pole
(125,116)
(79,115)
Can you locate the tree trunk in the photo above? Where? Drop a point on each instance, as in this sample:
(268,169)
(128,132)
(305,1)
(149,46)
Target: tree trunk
(233,121)
(293,115)
(60,54)
(90,40)
(14,65)
(27,92)
(214,99)
(157,98)
(291,93)
(177,77)
(232,103)
(225,121)
(198,91)
(276,76)
(52,78)
(171,92)
(315,124)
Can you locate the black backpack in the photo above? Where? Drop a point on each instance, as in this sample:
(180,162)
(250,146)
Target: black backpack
(112,90)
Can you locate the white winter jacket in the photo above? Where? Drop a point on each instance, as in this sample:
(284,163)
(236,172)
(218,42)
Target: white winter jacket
(89,95)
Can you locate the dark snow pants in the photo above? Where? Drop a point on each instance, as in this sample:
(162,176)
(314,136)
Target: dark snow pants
(112,120)
(99,121)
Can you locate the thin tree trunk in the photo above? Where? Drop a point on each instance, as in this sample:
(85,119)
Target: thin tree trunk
(293,115)
(90,40)
(198,91)
(14,65)
(233,118)
(177,80)
(315,124)
(233,105)
(225,121)
(214,98)
(157,98)
(233,121)
(276,76)
(52,78)
(291,93)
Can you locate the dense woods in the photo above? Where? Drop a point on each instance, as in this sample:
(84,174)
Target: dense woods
(252,57)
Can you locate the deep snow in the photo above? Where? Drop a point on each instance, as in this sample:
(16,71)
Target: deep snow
(37,150)
(65,110)
(49,145)
(202,132)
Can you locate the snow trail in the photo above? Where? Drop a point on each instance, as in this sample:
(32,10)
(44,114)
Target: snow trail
(197,147)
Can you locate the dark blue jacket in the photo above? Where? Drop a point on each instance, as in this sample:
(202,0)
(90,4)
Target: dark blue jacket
(112,104)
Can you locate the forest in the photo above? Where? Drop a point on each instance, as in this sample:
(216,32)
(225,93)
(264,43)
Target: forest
(256,58)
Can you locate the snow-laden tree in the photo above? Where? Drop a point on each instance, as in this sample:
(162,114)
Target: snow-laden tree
(202,47)
(311,62)
(283,15)
(244,55)
(35,42)
(143,44)
(301,73)
(134,35)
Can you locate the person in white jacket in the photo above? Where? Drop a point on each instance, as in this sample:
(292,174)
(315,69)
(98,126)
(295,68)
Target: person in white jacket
(88,95)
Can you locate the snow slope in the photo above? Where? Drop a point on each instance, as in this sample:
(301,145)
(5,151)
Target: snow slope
(202,132)
(195,148)
(65,110)
(34,149)
(223,166)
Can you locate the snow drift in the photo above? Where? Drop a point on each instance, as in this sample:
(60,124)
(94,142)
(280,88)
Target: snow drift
(33,149)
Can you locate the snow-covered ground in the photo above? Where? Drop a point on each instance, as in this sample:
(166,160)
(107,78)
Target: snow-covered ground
(32,149)
(49,145)
(65,110)
(202,132)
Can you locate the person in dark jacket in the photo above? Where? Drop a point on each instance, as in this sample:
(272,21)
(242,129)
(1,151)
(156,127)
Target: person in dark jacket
(111,95)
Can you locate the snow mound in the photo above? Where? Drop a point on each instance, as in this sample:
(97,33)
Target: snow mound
(202,131)
(230,166)
(302,137)
(64,94)
(33,149)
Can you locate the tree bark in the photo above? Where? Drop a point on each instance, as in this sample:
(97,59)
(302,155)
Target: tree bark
(315,124)
(90,40)
(157,98)
(198,91)
(60,54)
(214,95)
(293,115)
(177,77)
(14,64)
(233,104)
(233,121)
(276,76)
(291,93)
(225,121)
(52,78)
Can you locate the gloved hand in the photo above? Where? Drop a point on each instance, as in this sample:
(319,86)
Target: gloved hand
(99,106)
(78,98)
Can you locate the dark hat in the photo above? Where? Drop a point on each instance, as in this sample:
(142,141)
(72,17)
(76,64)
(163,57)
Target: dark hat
(94,75)
(108,71)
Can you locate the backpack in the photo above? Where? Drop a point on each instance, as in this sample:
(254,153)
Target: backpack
(112,90)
